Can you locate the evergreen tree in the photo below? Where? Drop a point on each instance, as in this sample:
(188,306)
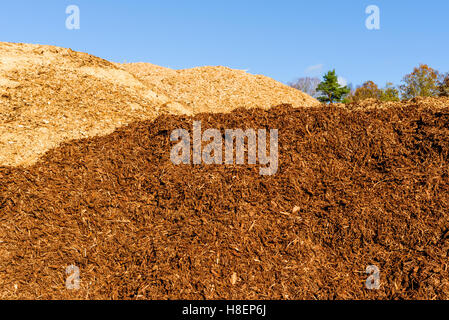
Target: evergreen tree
(331,90)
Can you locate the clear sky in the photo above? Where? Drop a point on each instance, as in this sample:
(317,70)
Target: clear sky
(283,39)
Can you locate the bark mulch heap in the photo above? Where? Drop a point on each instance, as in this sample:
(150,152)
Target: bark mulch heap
(354,188)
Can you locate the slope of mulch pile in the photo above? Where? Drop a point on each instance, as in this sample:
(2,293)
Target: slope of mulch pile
(354,188)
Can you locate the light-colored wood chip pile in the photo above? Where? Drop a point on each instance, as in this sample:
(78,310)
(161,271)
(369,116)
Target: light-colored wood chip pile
(51,95)
(151,74)
(218,89)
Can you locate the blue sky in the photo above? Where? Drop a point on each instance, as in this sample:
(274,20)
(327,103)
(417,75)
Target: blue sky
(283,39)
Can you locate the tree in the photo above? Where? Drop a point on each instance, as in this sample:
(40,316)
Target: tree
(369,90)
(307,85)
(422,82)
(390,93)
(331,90)
(443,85)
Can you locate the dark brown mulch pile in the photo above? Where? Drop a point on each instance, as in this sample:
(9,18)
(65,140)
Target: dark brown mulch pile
(370,188)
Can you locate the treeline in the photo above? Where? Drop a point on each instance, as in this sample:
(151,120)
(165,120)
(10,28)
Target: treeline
(424,81)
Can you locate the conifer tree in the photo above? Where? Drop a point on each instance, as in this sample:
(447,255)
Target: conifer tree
(331,91)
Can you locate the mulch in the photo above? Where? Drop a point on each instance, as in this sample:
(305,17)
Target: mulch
(353,189)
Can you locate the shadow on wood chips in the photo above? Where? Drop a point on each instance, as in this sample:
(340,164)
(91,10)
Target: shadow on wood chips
(354,188)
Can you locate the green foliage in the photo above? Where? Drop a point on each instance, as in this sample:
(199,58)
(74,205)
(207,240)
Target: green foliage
(370,90)
(331,91)
(422,82)
(389,93)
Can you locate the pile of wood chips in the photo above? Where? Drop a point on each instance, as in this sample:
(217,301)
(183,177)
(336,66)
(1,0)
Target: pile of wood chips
(354,189)
(50,95)
(218,89)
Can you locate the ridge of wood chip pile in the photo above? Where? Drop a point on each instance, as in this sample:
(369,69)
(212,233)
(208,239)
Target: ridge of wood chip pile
(49,95)
(354,188)
(218,89)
